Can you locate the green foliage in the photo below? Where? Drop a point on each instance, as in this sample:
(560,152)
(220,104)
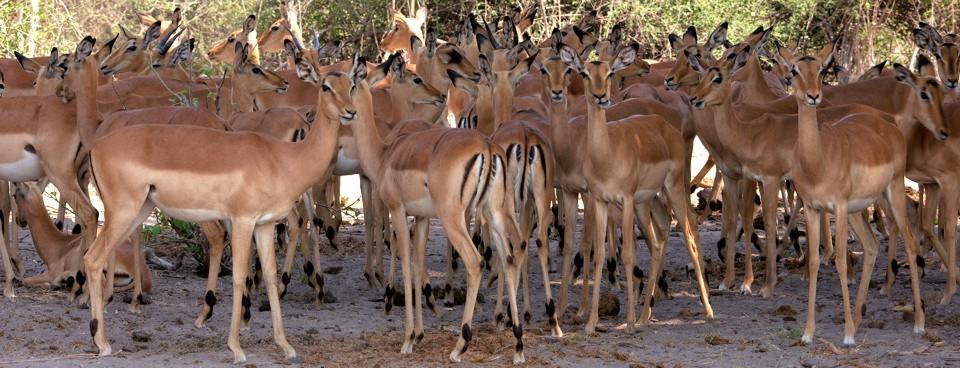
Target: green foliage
(874,29)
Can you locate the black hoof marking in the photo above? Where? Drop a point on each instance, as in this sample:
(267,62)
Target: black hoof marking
(716,206)
(518,334)
(477,240)
(662,283)
(419,338)
(510,260)
(69,282)
(330,233)
(141,300)
(498,318)
(249,283)
(863,311)
(93,327)
(285,278)
(76,229)
(245,301)
(467,336)
(894,267)
(110,299)
(577,264)
(388,299)
(81,279)
(523,245)
(59,225)
(526,317)
(210,298)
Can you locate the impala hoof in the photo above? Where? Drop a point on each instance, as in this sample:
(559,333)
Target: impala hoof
(745,289)
(918,329)
(723,286)
(455,356)
(848,341)
(106,351)
(518,359)
(806,339)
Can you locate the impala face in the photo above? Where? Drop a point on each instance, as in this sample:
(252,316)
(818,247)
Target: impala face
(597,75)
(925,104)
(226,50)
(555,73)
(716,78)
(949,62)
(413,87)
(404,28)
(272,39)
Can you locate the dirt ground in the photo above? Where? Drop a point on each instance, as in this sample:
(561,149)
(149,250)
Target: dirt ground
(40,328)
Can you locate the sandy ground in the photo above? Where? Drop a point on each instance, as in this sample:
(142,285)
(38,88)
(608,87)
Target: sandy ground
(40,328)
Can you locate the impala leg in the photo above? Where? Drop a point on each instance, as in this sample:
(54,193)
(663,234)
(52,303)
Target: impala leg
(587,252)
(656,250)
(928,213)
(813,267)
(264,239)
(7,269)
(769,201)
(861,228)
(748,193)
(288,237)
(950,202)
(120,223)
(242,231)
(543,255)
(681,210)
(402,233)
(827,239)
(841,260)
(216,237)
(526,228)
(628,259)
(137,240)
(600,222)
(317,276)
(898,204)
(368,232)
(569,207)
(729,229)
(892,240)
(11,230)
(419,283)
(612,244)
(86,214)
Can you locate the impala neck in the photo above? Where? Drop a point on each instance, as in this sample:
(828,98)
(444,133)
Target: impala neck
(317,150)
(755,87)
(486,116)
(597,137)
(559,121)
(502,103)
(370,145)
(243,99)
(88,113)
(41,228)
(809,147)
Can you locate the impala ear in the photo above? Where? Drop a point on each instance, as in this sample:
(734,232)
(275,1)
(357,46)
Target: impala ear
(522,69)
(152,33)
(308,112)
(675,43)
(694,62)
(107,48)
(29,65)
(242,56)
(828,51)
(718,38)
(421,15)
(330,50)
(625,58)
(399,68)
(292,49)
(462,83)
(183,53)
(431,46)
(485,70)
(690,36)
(569,57)
(250,24)
(416,44)
(874,72)
(510,37)
(379,72)
(904,75)
(783,56)
(126,34)
(484,45)
(925,67)
(85,48)
(358,71)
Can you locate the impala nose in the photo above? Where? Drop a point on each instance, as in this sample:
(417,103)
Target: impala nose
(952,83)
(943,135)
(813,100)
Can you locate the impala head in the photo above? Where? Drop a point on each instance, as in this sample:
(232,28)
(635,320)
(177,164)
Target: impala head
(412,87)
(687,48)
(717,77)
(555,71)
(338,91)
(252,77)
(136,55)
(49,76)
(597,75)
(225,50)
(76,65)
(433,59)
(404,27)
(282,29)
(944,48)
(25,193)
(925,103)
(807,72)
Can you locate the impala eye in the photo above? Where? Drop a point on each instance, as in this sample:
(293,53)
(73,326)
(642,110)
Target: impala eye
(231,39)
(924,96)
(257,71)
(717,80)
(132,48)
(568,71)
(326,88)
(276,28)
(353,90)
(417,81)
(794,72)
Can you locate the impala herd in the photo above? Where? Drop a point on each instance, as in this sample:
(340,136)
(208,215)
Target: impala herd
(255,155)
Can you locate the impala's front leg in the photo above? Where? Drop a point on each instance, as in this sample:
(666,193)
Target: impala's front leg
(729,240)
(242,231)
(569,207)
(898,206)
(950,202)
(264,238)
(7,269)
(216,237)
(841,223)
(600,223)
(399,219)
(862,229)
(770,186)
(655,245)
(813,267)
(137,243)
(421,286)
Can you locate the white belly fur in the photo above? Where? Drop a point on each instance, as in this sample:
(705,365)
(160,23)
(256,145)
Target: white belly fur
(26,169)
(187,214)
(346,165)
